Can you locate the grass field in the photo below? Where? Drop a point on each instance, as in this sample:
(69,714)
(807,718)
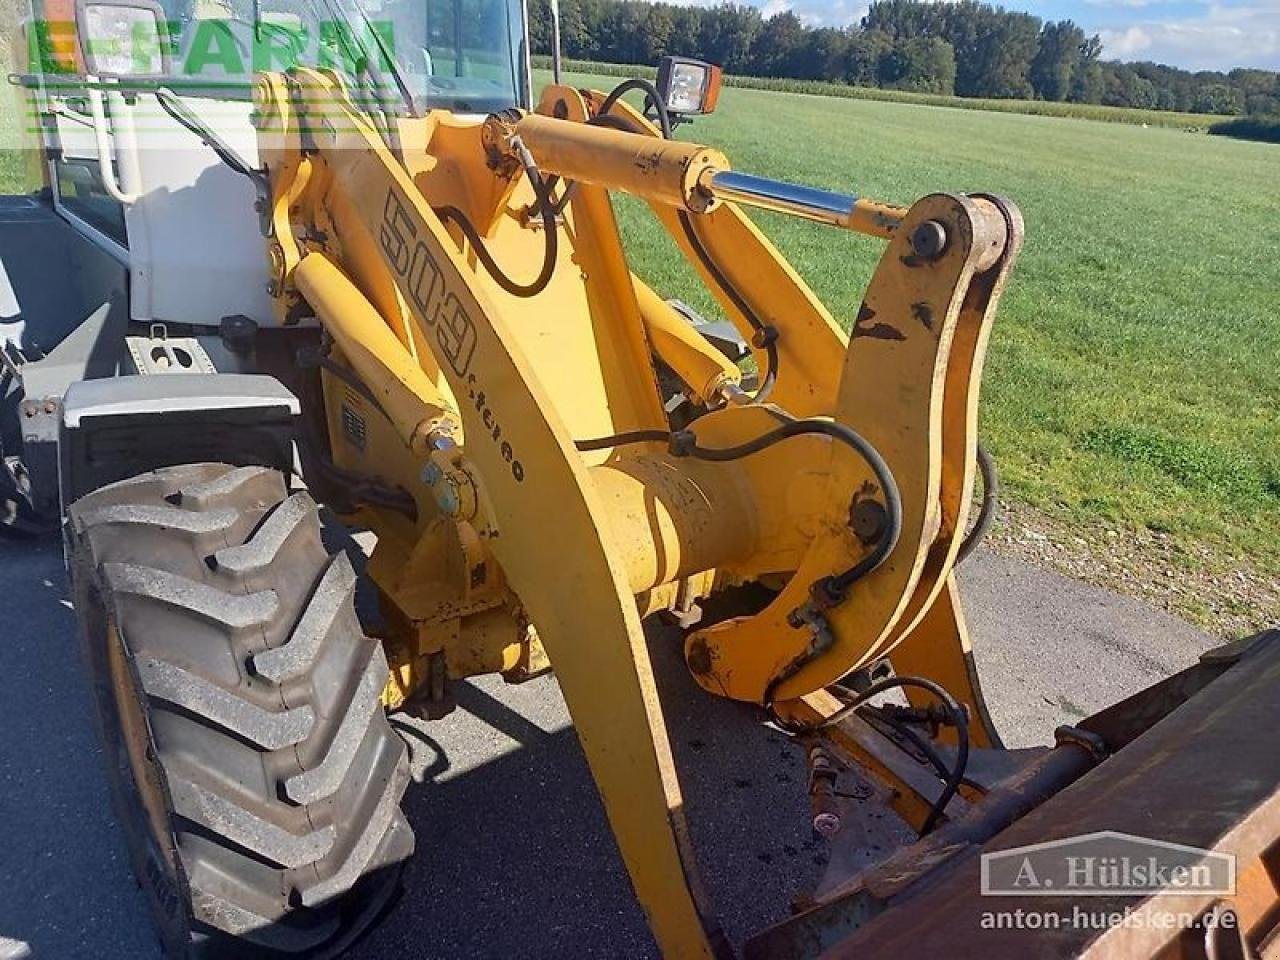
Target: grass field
(13,167)
(1132,380)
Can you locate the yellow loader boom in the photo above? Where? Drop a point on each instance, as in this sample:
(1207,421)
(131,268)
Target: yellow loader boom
(552,505)
(539,500)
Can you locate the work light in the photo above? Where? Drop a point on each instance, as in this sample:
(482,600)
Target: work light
(688,86)
(122,38)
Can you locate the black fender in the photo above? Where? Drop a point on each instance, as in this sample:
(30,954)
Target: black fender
(117,428)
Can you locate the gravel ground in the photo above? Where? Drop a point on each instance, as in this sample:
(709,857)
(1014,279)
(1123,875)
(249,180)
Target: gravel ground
(515,858)
(1228,598)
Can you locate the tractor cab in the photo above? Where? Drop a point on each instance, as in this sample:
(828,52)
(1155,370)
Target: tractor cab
(144,242)
(129,177)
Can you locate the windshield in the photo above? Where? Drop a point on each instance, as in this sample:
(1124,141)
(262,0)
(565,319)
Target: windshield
(461,55)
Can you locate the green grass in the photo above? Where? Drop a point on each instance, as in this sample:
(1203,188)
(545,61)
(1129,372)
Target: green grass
(1047,108)
(15,174)
(1132,377)
(12,173)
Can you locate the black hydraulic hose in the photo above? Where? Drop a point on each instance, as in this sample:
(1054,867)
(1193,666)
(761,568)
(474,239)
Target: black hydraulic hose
(549,258)
(987,513)
(650,91)
(567,195)
(958,719)
(764,336)
(875,715)
(175,107)
(549,208)
(685,443)
(622,439)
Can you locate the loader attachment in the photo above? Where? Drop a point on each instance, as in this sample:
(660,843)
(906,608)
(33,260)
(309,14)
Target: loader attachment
(1183,764)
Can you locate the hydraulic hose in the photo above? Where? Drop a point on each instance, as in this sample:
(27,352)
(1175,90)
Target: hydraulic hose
(685,444)
(958,719)
(651,92)
(551,252)
(548,207)
(987,513)
(764,336)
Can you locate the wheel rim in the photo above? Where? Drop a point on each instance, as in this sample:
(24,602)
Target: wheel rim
(134,754)
(137,781)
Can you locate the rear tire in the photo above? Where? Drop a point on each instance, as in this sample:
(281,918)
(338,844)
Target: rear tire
(250,761)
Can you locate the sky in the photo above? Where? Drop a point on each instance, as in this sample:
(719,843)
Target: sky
(1193,34)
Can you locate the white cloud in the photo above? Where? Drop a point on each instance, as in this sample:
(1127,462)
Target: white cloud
(1111,4)
(820,13)
(1221,38)
(1122,4)
(1126,44)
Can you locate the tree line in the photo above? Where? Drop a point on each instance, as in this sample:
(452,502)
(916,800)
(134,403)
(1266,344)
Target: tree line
(969,49)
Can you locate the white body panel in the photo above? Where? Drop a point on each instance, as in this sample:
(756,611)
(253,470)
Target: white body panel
(196,251)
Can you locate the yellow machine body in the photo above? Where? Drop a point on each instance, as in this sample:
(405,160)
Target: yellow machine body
(512,538)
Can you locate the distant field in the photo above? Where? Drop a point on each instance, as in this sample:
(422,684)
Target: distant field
(1047,108)
(1132,379)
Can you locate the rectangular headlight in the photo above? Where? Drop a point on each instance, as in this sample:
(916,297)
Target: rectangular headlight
(688,86)
(122,38)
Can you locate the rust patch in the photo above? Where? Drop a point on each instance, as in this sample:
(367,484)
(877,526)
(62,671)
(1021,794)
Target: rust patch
(699,657)
(863,327)
(924,313)
(649,162)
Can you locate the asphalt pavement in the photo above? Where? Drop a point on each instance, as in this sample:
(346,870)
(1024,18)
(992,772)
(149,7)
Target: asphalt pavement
(515,858)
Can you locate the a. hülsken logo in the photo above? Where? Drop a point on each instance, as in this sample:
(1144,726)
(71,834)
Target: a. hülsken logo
(1107,864)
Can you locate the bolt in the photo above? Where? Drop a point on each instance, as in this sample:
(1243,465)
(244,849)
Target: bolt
(29,410)
(929,240)
(822,789)
(867,519)
(826,824)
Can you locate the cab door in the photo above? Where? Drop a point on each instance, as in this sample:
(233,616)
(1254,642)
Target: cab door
(130,177)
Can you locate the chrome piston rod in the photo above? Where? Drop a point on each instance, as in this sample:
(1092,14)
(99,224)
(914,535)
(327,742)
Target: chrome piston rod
(810,203)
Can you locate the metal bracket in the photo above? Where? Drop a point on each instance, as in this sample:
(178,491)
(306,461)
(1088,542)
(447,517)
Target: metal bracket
(158,354)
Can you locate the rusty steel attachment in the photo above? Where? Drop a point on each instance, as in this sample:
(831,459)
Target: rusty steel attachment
(1175,762)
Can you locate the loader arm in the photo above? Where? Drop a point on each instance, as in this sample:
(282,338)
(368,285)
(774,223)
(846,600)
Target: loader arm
(579,599)
(523,418)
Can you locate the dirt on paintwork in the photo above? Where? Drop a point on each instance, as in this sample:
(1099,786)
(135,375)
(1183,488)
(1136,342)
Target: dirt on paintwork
(1229,599)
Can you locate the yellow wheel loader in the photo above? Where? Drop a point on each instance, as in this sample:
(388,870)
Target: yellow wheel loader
(387,271)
